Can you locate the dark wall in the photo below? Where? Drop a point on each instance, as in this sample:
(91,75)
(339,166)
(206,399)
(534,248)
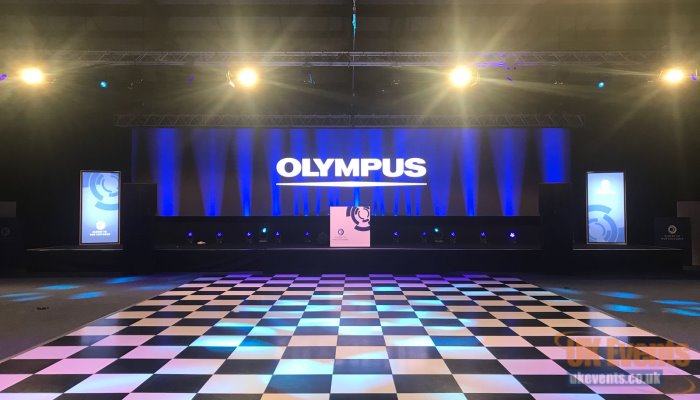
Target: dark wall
(48,137)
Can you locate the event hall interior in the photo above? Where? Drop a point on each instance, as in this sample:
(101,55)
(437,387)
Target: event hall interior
(349,199)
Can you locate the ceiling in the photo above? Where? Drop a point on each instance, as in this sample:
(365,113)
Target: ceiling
(326,25)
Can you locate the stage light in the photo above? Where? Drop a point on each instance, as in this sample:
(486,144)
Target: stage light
(32,76)
(512,237)
(247,77)
(462,76)
(424,237)
(437,235)
(307,237)
(3,77)
(483,239)
(249,237)
(278,237)
(395,237)
(453,237)
(190,237)
(219,237)
(104,84)
(262,238)
(674,76)
(601,84)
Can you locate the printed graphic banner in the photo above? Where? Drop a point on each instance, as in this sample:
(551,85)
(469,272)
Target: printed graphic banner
(350,227)
(606,207)
(99,207)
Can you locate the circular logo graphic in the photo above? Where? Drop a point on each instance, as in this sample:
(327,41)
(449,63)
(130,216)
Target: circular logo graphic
(602,227)
(100,225)
(105,189)
(341,232)
(360,216)
(672,229)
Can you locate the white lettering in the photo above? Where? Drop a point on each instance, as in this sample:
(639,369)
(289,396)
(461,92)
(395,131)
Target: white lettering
(415,167)
(282,167)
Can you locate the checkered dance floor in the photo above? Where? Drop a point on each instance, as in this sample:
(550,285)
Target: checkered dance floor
(342,337)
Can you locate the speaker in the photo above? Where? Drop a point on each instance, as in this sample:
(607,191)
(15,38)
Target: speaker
(556,216)
(139,206)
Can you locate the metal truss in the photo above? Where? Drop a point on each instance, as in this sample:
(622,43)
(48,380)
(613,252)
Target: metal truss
(309,121)
(349,59)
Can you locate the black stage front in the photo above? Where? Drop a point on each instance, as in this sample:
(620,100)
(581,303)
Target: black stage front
(378,259)
(302,248)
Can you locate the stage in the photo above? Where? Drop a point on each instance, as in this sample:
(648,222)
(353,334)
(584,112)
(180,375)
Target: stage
(384,258)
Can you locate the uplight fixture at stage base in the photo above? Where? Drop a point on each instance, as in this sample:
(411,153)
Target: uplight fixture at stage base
(463,77)
(277,237)
(512,237)
(483,238)
(249,237)
(219,237)
(453,237)
(307,237)
(395,237)
(424,237)
(190,237)
(263,235)
(32,76)
(437,235)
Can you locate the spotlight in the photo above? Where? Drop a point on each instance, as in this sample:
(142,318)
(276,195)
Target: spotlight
(104,84)
(674,76)
(512,237)
(190,237)
(395,237)
(249,237)
(453,237)
(462,77)
(219,237)
(278,237)
(247,77)
(483,239)
(32,76)
(307,237)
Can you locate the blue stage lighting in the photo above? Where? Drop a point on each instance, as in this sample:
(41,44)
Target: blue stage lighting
(512,237)
(483,234)
(3,77)
(190,237)
(601,84)
(453,237)
(482,237)
(395,237)
(104,84)
(219,237)
(307,237)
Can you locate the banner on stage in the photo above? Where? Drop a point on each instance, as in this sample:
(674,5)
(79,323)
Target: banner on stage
(607,220)
(99,207)
(350,227)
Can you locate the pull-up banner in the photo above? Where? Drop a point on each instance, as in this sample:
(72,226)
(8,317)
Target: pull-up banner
(606,208)
(350,227)
(99,207)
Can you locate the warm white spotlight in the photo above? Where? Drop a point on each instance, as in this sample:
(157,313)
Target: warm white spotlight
(674,76)
(32,76)
(461,77)
(247,77)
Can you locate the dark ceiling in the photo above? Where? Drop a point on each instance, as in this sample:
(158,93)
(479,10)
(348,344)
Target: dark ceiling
(326,25)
